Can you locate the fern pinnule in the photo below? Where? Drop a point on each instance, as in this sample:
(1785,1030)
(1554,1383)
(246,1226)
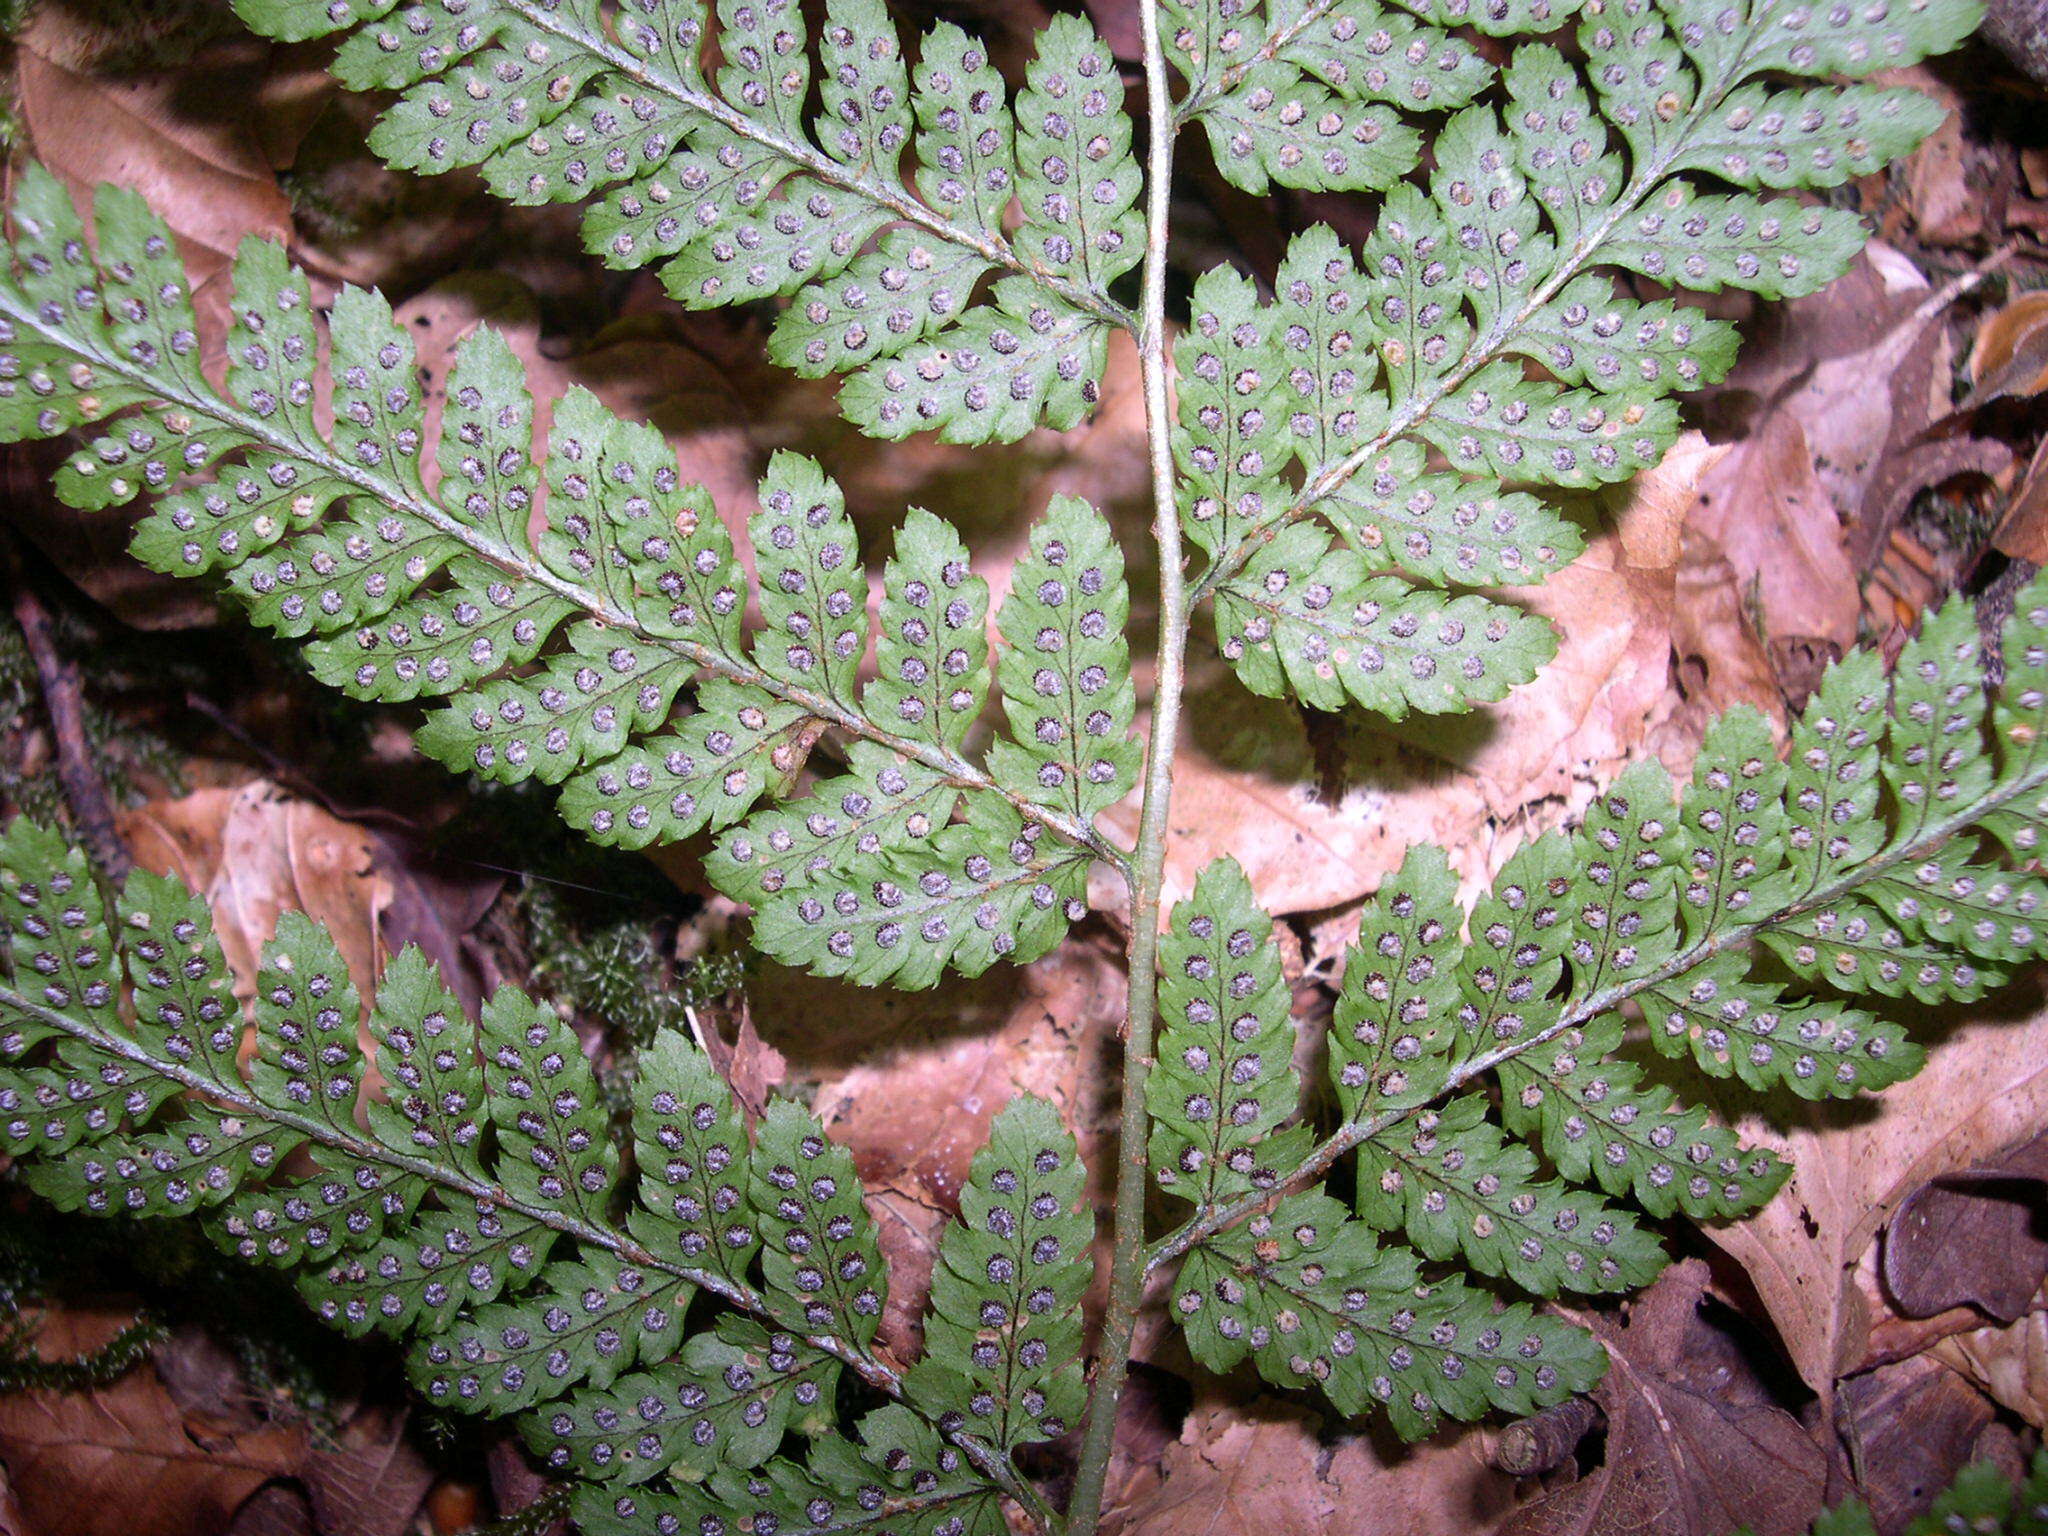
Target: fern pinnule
(1386,400)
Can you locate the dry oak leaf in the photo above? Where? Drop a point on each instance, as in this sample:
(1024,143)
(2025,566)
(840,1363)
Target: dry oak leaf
(122,1460)
(1766,511)
(1264,1469)
(2008,1363)
(2010,354)
(1985,1089)
(1972,1237)
(1693,1448)
(1909,1428)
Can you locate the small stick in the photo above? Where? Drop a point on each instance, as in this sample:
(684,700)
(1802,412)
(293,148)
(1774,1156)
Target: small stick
(64,703)
(1543,1440)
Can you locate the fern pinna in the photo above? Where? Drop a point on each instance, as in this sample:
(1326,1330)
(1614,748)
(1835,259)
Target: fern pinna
(1364,446)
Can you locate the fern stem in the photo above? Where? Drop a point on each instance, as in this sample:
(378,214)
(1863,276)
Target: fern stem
(997,251)
(1319,1162)
(1127,1263)
(319,457)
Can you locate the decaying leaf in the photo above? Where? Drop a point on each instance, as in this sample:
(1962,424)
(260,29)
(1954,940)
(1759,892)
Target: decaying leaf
(122,1460)
(1264,1467)
(1972,1238)
(1983,1091)
(1693,1446)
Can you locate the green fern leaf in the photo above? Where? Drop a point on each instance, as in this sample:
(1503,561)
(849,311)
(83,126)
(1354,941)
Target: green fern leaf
(1599,1123)
(560,653)
(1304,618)
(723,184)
(1003,1344)
(1458,1189)
(604,1317)
(903,1477)
(695,1174)
(1395,1029)
(1732,1026)
(1503,252)
(1307,1294)
(736,1390)
(1065,673)
(819,1249)
(474,1214)
(906,916)
(1226,1076)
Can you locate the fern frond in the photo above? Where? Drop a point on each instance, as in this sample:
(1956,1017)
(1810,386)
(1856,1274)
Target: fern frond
(562,657)
(1388,398)
(471,1210)
(723,184)
(1873,862)
(1309,1294)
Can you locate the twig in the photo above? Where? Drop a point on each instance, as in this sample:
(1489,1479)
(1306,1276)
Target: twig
(92,812)
(1543,1440)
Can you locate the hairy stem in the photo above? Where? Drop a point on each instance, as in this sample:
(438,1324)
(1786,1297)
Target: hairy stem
(1148,861)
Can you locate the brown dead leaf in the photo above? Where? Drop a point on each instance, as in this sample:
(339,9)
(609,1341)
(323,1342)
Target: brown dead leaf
(122,1460)
(2008,1363)
(2023,532)
(910,1082)
(1946,208)
(1985,1089)
(1262,1469)
(1859,372)
(255,852)
(371,1480)
(1773,522)
(2010,354)
(1909,1429)
(182,137)
(1972,1237)
(1721,661)
(1693,1447)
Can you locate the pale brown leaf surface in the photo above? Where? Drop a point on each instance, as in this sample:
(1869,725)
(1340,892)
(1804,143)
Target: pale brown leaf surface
(2008,1363)
(254,852)
(183,138)
(1262,1468)
(909,1082)
(1985,1088)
